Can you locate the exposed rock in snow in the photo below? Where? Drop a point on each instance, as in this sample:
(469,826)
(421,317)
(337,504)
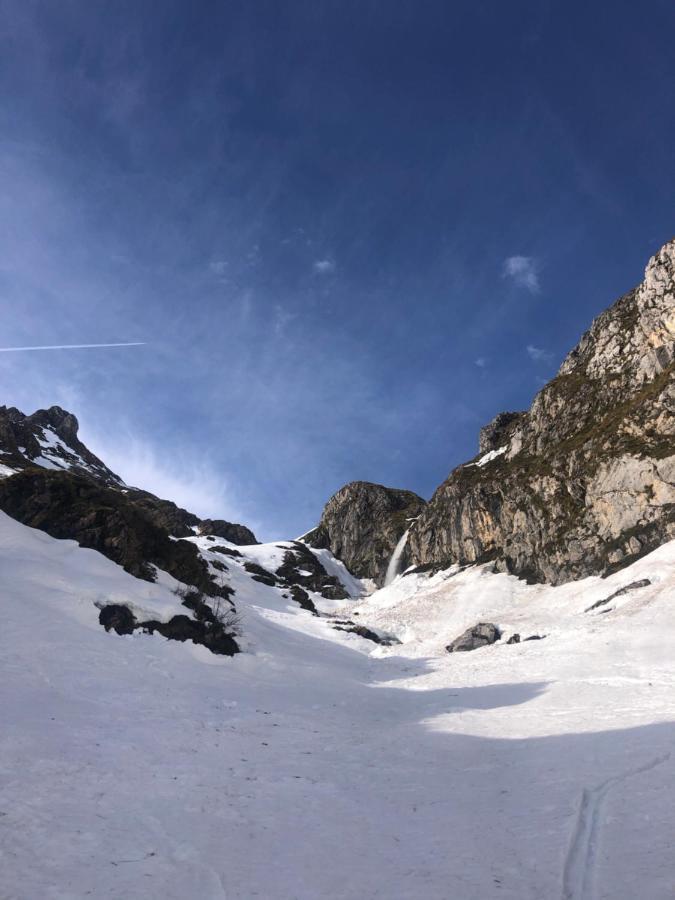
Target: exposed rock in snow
(480,635)
(210,633)
(370,634)
(235,534)
(633,586)
(69,506)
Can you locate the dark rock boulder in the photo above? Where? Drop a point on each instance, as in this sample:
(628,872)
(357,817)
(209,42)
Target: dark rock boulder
(480,635)
(229,531)
(118,618)
(633,586)
(226,551)
(514,639)
(166,515)
(386,640)
(361,525)
(258,573)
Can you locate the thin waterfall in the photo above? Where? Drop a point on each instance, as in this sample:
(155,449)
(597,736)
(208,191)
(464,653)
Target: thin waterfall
(392,568)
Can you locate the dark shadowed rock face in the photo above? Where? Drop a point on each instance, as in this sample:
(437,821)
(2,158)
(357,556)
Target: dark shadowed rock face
(362,523)
(586,483)
(208,632)
(48,437)
(301,567)
(229,531)
(165,514)
(101,518)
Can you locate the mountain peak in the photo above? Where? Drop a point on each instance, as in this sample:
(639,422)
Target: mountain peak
(61,421)
(362,523)
(48,438)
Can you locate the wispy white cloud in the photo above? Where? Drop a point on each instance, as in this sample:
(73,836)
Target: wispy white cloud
(190,480)
(523,271)
(324,266)
(538,354)
(481,362)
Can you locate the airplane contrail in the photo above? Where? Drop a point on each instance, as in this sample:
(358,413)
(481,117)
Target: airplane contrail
(71,347)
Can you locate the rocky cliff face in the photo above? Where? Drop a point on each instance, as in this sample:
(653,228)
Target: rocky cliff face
(584,482)
(66,505)
(361,525)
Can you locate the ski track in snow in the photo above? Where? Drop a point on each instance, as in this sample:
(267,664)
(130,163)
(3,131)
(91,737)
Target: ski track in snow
(579,875)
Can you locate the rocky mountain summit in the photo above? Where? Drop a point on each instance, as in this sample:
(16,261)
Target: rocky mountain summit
(48,438)
(362,524)
(50,481)
(584,481)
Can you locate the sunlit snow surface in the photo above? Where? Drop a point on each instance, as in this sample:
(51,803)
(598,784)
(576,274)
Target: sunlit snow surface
(134,767)
(488,457)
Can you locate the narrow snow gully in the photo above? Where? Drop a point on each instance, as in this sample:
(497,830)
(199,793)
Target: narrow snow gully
(392,568)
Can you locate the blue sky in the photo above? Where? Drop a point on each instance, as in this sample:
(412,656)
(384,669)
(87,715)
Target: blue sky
(349,232)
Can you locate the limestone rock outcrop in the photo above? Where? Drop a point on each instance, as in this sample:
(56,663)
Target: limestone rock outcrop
(585,480)
(362,523)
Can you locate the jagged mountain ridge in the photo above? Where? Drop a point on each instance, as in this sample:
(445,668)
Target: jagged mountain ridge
(55,484)
(583,482)
(48,439)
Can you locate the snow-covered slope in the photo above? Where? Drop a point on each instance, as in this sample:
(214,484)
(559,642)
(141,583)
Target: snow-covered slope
(311,766)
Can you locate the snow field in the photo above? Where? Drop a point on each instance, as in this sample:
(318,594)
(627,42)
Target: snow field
(314,766)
